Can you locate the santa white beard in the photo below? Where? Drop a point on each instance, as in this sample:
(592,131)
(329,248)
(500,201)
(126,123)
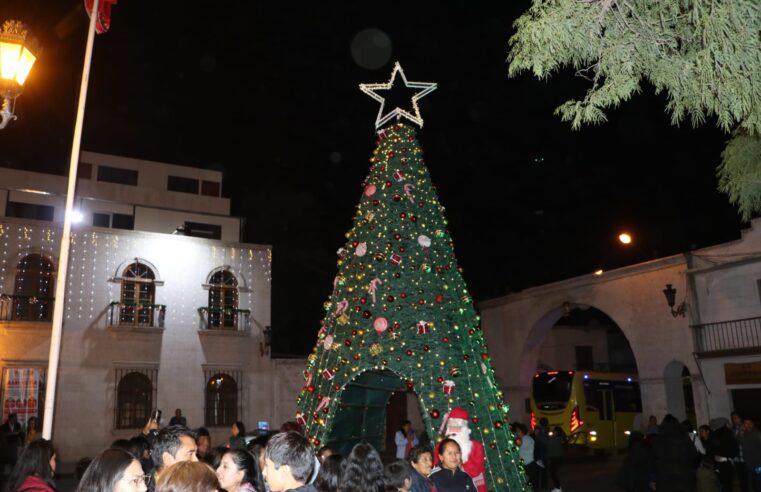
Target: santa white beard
(462,437)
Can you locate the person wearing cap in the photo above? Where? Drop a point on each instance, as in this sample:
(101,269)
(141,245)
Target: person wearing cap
(457,427)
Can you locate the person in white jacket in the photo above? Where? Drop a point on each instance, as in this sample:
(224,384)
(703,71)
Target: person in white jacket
(405,440)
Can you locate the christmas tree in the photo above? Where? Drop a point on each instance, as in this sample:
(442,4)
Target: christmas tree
(400,318)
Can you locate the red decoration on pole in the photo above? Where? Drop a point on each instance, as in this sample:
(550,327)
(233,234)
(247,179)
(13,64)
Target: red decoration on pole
(103,22)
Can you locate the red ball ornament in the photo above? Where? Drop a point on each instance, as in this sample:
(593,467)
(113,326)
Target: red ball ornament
(355,356)
(403,215)
(363,300)
(310,388)
(421,301)
(484,356)
(397,236)
(409,353)
(388,184)
(404,150)
(366,314)
(337,387)
(466,357)
(380,324)
(439,379)
(493,445)
(445,339)
(396,197)
(471,331)
(439,298)
(347,342)
(498,424)
(474,420)
(435,414)
(397,325)
(355,243)
(403,295)
(410,385)
(397,275)
(354,333)
(391,155)
(426,348)
(402,249)
(376,203)
(413,218)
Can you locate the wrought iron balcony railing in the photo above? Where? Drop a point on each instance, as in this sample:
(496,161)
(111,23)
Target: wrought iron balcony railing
(138,315)
(734,335)
(25,308)
(229,319)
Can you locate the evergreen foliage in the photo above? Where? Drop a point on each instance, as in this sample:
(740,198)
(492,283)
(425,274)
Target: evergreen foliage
(705,55)
(400,318)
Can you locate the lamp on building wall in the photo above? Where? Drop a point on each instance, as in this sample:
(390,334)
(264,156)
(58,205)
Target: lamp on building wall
(670,293)
(18,52)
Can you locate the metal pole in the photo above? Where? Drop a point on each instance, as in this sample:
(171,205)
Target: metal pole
(63,258)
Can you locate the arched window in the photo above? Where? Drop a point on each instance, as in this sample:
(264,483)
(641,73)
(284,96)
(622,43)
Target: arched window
(138,294)
(134,400)
(221,400)
(223,300)
(34,288)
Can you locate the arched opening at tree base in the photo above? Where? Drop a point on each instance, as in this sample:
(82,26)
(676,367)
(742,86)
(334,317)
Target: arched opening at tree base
(361,413)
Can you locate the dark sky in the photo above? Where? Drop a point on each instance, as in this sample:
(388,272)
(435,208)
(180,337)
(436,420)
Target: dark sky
(267,92)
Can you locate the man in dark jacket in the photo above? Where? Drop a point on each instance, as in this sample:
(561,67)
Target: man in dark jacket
(751,445)
(722,447)
(674,456)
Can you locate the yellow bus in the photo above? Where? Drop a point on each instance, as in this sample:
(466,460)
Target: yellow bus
(594,409)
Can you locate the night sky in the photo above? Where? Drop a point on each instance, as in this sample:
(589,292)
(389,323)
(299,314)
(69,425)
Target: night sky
(267,92)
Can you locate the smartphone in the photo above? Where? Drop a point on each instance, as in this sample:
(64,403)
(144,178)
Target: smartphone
(156,415)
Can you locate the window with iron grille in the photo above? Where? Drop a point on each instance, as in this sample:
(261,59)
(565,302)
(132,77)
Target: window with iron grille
(135,394)
(33,289)
(137,295)
(222,397)
(223,300)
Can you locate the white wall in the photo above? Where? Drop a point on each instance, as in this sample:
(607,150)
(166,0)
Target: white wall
(558,350)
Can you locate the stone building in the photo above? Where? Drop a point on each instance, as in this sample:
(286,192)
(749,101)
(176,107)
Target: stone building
(699,358)
(165,307)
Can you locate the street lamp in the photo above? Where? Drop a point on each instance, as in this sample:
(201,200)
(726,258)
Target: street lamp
(670,293)
(18,52)
(625,238)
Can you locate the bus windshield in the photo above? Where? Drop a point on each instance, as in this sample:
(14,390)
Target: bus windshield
(551,390)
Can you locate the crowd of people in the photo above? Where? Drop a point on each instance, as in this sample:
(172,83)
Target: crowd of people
(672,456)
(178,459)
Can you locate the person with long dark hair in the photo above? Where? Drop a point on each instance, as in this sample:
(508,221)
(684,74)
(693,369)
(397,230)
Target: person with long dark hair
(363,471)
(34,469)
(448,477)
(330,474)
(115,470)
(405,440)
(32,432)
(238,471)
(237,437)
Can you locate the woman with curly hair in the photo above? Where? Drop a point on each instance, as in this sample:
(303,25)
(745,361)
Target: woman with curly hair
(363,471)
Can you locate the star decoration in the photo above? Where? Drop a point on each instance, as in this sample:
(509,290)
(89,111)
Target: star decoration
(369,89)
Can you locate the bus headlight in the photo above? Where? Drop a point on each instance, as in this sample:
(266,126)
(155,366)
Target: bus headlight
(593,433)
(627,433)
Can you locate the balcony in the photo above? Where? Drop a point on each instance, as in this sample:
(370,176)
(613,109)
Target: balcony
(136,315)
(225,319)
(25,308)
(739,336)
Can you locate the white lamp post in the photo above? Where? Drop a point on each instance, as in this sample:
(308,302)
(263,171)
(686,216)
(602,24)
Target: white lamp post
(18,52)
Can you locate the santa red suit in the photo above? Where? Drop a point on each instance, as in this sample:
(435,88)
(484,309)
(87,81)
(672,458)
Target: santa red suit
(457,428)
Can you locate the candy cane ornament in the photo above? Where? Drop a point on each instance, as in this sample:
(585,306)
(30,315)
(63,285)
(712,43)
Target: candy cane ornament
(341,307)
(373,286)
(408,191)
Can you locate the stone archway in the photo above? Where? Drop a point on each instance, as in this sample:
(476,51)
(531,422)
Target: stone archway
(680,400)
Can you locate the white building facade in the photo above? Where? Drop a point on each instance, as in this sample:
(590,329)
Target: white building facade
(701,357)
(165,308)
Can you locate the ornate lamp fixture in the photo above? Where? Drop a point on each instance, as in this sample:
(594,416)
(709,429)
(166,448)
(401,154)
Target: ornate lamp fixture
(670,293)
(18,52)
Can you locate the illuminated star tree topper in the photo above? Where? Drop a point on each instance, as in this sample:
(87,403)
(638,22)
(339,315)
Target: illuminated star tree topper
(381,120)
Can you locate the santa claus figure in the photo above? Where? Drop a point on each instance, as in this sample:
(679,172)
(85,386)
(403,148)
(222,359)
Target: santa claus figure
(456,426)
